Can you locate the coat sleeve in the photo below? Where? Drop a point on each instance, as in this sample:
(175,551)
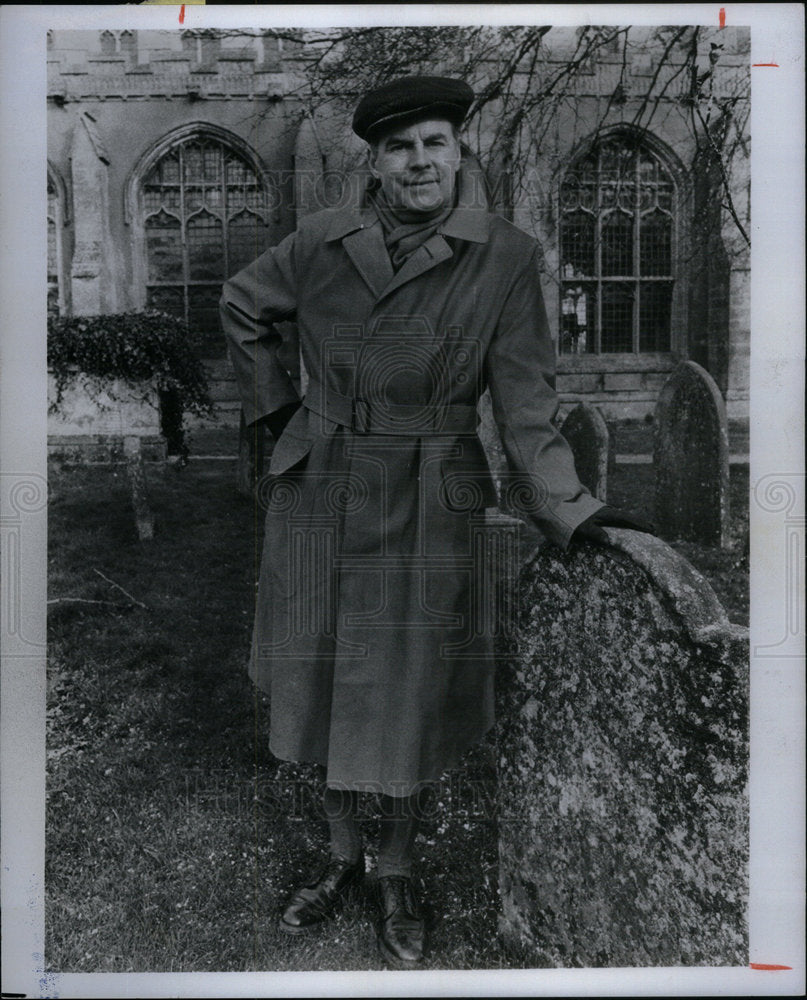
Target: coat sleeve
(520,371)
(262,294)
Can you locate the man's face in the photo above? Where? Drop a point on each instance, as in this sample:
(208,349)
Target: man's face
(417,165)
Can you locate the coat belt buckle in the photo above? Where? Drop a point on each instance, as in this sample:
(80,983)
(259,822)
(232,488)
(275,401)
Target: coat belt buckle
(360,416)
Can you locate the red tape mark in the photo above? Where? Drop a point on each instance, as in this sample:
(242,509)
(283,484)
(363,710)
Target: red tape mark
(761,967)
(722,17)
(182,14)
(766,64)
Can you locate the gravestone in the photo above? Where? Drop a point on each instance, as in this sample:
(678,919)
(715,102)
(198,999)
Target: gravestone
(691,458)
(622,707)
(136,473)
(99,424)
(251,447)
(585,430)
(492,443)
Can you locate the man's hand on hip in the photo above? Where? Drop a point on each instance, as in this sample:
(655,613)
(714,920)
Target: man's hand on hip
(276,422)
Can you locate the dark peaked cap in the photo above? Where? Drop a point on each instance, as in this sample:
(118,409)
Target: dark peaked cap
(410,97)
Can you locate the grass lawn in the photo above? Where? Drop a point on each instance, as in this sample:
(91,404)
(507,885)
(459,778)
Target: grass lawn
(172,833)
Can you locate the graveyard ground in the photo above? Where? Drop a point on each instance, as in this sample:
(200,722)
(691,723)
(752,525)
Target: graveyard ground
(171,831)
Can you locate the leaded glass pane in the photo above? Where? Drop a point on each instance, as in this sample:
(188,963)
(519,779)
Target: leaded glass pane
(578,318)
(583,195)
(648,181)
(665,194)
(579,188)
(53,200)
(256,199)
(205,248)
(211,163)
(626,195)
(156,198)
(194,199)
(655,241)
(617,317)
(53,270)
(237,172)
(617,159)
(165,172)
(54,234)
(247,240)
(655,310)
(617,177)
(213,199)
(164,248)
(167,299)
(203,317)
(577,237)
(617,244)
(53,260)
(236,199)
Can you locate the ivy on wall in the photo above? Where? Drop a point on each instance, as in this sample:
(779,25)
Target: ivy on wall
(145,351)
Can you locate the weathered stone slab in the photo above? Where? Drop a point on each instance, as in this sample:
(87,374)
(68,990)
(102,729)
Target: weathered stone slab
(90,425)
(622,746)
(120,410)
(585,430)
(691,458)
(492,443)
(250,457)
(144,519)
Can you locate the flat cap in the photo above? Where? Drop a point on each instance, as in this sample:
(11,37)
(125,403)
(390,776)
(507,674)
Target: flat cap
(410,97)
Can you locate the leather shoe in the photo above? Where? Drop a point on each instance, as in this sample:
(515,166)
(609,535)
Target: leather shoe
(402,930)
(318,899)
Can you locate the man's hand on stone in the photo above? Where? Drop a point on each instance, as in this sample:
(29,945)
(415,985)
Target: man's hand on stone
(591,529)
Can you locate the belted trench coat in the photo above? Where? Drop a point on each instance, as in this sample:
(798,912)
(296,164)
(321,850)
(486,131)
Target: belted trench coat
(372,630)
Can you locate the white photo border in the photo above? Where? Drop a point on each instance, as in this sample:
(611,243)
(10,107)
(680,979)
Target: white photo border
(777,450)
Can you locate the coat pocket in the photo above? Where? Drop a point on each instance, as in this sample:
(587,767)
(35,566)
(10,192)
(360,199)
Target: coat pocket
(466,484)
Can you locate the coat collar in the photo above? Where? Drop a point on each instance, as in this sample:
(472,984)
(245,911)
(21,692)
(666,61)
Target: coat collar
(469,221)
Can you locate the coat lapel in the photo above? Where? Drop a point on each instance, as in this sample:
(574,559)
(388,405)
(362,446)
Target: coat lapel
(431,253)
(362,237)
(366,249)
(369,255)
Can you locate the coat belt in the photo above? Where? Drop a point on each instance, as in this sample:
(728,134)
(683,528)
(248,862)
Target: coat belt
(378,417)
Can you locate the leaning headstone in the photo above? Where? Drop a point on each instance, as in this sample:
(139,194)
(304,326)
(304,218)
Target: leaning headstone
(691,458)
(250,457)
(587,434)
(144,519)
(492,442)
(622,739)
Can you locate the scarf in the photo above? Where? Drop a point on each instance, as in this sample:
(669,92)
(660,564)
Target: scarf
(405,231)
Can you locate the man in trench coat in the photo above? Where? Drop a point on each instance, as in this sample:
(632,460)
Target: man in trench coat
(371,635)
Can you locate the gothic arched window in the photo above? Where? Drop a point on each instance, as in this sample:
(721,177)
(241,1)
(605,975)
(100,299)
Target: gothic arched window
(118,43)
(127,42)
(205,213)
(618,206)
(56,217)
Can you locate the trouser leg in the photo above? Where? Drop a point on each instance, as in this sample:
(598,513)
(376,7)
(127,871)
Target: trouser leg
(400,819)
(340,808)
(317,899)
